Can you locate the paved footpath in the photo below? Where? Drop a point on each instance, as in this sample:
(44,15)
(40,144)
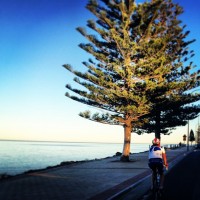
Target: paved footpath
(95,180)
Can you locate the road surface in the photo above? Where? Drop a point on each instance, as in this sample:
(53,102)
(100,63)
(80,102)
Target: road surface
(183,180)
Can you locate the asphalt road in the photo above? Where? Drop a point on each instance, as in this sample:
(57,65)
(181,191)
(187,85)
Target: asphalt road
(183,180)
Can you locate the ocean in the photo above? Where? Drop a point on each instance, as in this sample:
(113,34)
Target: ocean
(17,157)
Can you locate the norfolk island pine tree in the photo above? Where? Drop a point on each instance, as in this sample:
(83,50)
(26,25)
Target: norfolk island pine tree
(130,65)
(180,104)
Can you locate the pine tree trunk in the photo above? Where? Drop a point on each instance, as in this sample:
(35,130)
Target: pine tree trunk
(157,129)
(127,144)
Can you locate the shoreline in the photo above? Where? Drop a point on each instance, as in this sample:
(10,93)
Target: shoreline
(5,175)
(18,157)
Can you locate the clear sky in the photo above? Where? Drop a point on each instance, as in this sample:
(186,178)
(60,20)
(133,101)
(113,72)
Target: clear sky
(36,38)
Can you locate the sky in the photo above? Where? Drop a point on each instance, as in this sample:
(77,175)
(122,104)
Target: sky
(36,38)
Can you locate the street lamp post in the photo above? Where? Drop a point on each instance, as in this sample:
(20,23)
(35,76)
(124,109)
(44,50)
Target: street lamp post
(188,136)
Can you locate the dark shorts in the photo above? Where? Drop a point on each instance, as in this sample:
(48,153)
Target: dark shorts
(155,163)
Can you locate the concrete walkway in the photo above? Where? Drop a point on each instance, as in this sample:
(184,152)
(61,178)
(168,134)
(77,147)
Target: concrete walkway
(100,179)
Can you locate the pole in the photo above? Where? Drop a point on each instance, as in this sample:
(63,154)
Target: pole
(188,136)
(197,135)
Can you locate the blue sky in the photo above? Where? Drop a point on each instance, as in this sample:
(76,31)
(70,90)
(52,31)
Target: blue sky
(36,38)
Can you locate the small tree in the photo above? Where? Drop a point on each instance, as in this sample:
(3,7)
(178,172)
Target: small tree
(191,137)
(198,135)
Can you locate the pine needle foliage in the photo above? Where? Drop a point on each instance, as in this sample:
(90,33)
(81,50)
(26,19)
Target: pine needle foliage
(179,104)
(166,116)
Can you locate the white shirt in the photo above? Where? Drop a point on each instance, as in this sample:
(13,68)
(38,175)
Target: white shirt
(156,152)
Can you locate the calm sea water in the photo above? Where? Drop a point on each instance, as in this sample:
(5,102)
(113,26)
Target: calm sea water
(18,156)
